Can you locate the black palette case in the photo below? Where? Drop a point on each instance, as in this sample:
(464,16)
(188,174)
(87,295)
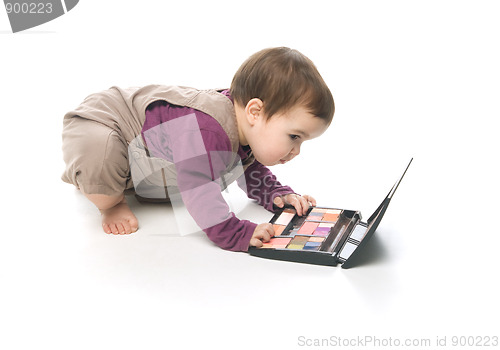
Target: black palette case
(323,236)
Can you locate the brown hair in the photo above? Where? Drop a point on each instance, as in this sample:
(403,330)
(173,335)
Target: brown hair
(283,78)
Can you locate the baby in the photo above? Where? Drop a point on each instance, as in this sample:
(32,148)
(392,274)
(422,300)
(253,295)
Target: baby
(168,143)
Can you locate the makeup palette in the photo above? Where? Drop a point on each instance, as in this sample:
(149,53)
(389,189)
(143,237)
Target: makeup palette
(323,236)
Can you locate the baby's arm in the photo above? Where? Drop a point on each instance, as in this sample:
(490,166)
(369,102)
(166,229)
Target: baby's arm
(200,150)
(263,186)
(201,193)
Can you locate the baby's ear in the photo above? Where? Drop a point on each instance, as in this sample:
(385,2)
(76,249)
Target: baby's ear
(254,110)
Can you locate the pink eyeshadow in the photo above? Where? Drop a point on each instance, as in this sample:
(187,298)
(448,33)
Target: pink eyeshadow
(308,228)
(277,243)
(284,219)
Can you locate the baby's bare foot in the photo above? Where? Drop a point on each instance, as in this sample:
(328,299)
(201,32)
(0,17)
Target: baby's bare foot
(119,220)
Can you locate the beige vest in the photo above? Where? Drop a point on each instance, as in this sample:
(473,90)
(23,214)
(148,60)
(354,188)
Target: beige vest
(124,110)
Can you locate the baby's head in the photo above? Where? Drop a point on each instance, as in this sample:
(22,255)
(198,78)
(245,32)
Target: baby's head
(280,100)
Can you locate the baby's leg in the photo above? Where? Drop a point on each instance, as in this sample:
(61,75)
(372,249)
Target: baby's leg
(97,163)
(117,218)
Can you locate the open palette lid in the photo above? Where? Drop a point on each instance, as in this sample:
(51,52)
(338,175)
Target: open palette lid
(324,236)
(373,223)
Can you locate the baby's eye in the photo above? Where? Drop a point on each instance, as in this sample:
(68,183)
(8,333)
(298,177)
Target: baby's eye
(294,137)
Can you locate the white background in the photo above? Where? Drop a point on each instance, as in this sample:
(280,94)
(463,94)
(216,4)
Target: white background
(410,79)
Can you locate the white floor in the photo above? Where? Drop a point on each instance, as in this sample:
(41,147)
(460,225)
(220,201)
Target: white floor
(419,82)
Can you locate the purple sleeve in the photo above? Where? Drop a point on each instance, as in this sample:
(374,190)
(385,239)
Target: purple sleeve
(262,185)
(199,182)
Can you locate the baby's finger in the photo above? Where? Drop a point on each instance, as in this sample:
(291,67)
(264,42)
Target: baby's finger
(305,203)
(270,229)
(300,205)
(267,232)
(278,201)
(310,199)
(293,201)
(266,236)
(256,242)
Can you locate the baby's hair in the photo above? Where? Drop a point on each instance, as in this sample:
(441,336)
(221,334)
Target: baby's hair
(283,78)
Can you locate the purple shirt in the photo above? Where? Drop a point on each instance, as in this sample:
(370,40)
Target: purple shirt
(199,167)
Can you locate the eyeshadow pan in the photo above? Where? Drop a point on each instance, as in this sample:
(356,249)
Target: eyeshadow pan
(319,210)
(316,239)
(322,231)
(315,216)
(333,211)
(308,228)
(311,246)
(284,218)
(298,242)
(278,229)
(300,239)
(330,217)
(280,242)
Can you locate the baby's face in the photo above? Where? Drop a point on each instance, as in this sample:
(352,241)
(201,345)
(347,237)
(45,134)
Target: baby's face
(278,140)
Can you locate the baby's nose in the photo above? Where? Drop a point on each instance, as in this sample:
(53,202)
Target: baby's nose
(291,155)
(295,151)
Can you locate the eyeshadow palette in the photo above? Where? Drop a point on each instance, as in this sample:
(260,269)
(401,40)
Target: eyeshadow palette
(323,236)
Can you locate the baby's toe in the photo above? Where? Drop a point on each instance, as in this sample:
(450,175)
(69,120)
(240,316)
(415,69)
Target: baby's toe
(120,229)
(106,228)
(126,227)
(134,224)
(114,229)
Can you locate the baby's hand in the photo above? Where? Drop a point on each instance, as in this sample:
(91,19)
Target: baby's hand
(301,203)
(262,233)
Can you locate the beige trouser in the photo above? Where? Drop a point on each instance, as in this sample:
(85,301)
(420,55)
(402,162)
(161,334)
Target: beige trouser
(96,157)
(97,161)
